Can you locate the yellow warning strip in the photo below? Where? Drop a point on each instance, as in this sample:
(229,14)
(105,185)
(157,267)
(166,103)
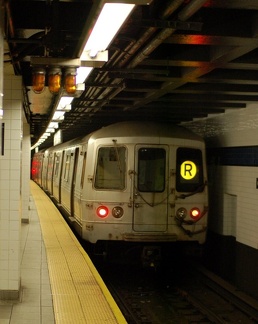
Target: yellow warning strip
(79,293)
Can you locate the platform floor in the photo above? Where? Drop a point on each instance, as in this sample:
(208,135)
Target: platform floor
(59,282)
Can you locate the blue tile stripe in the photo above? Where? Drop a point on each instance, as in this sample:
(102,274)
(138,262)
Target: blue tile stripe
(237,156)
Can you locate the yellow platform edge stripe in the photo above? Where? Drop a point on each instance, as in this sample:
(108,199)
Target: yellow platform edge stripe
(113,306)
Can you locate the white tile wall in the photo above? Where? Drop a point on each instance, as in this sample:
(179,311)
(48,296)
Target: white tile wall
(236,208)
(10,164)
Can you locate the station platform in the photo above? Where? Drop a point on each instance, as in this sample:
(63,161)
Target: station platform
(59,282)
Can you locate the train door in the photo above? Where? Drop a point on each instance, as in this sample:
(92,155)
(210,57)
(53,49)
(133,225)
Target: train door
(151,188)
(57,174)
(54,183)
(44,171)
(49,173)
(41,170)
(73,182)
(79,185)
(60,177)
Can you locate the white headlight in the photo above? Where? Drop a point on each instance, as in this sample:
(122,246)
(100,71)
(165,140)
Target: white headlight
(117,212)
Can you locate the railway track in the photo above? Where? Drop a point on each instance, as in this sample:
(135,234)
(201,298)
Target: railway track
(185,295)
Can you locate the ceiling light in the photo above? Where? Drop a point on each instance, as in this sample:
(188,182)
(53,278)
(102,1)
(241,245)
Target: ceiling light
(82,73)
(70,80)
(58,115)
(108,24)
(38,79)
(54,80)
(53,125)
(50,130)
(45,135)
(64,102)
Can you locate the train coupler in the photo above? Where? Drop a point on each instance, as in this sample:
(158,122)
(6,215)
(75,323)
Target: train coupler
(151,256)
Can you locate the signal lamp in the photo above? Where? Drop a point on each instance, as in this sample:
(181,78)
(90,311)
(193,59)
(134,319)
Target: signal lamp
(195,213)
(54,80)
(70,80)
(102,211)
(38,80)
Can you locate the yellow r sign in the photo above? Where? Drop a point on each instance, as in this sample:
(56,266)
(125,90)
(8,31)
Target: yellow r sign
(188,170)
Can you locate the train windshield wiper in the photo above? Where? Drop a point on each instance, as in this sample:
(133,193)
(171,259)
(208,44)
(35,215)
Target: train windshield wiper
(199,189)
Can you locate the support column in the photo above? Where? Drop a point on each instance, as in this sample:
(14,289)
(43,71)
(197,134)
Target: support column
(25,173)
(10,188)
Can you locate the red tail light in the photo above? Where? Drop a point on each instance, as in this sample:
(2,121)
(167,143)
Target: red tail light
(195,213)
(102,211)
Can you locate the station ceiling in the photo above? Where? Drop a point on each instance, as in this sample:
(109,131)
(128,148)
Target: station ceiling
(172,61)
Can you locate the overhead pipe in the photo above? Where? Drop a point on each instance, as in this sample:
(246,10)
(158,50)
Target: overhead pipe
(183,15)
(17,54)
(188,11)
(134,46)
(168,11)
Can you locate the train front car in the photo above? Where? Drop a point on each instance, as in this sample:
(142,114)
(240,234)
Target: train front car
(145,183)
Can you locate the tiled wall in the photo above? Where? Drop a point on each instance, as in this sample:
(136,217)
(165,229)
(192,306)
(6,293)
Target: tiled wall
(234,203)
(10,165)
(232,151)
(232,141)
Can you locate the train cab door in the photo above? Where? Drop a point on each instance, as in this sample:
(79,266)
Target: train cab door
(150,202)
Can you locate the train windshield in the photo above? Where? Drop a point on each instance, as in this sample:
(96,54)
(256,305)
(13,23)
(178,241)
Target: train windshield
(111,166)
(189,169)
(151,169)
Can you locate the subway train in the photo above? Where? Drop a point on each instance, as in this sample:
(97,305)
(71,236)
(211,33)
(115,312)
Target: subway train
(138,182)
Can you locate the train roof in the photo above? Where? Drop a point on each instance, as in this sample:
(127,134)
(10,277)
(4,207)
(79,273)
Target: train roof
(133,129)
(144,129)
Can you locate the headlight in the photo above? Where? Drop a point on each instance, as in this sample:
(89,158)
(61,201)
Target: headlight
(117,212)
(181,213)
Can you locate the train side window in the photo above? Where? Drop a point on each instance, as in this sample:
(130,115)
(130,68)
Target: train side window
(111,166)
(151,169)
(57,163)
(83,168)
(189,169)
(67,167)
(50,165)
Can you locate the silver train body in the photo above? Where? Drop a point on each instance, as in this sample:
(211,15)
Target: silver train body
(130,181)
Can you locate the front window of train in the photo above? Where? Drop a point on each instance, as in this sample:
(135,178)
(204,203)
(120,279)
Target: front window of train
(151,169)
(189,169)
(111,166)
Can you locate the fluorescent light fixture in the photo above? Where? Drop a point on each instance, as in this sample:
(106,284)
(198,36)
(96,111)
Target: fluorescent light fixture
(108,23)
(63,102)
(63,106)
(50,130)
(58,115)
(82,73)
(45,135)
(53,125)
